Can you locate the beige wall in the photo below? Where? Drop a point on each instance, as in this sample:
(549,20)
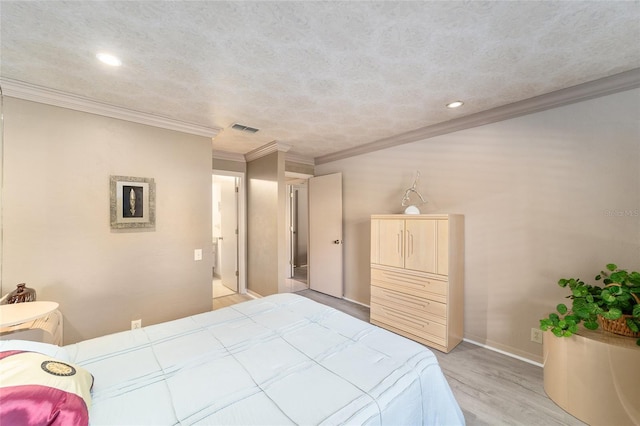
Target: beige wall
(545,196)
(266,237)
(229,165)
(57,236)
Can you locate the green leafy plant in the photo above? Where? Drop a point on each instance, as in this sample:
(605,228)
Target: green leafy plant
(618,297)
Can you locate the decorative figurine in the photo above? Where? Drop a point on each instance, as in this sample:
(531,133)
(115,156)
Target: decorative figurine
(412,208)
(21,294)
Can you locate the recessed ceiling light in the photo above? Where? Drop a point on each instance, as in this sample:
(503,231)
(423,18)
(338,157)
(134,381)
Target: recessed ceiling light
(109,59)
(455,104)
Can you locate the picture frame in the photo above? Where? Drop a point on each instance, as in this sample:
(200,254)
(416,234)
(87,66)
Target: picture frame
(132,202)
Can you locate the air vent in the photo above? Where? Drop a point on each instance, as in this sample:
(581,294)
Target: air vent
(244,128)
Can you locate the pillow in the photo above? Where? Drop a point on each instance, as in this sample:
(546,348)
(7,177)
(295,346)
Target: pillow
(37,389)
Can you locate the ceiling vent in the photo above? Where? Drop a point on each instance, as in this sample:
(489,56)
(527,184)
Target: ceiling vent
(244,128)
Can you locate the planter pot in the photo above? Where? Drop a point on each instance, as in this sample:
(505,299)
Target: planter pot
(618,326)
(594,376)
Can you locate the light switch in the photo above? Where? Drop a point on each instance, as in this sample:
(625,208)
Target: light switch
(197,254)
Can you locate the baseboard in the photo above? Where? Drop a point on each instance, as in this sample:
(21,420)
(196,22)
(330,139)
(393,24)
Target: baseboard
(253,294)
(356,302)
(491,348)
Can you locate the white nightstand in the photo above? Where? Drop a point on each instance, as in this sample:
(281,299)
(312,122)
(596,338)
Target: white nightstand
(37,321)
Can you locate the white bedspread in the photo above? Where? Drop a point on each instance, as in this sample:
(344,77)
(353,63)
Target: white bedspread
(279,360)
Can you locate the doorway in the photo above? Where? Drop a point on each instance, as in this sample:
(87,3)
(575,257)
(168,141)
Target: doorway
(297,232)
(228,234)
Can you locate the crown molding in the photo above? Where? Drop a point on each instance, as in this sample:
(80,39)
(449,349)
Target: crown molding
(31,92)
(296,175)
(231,156)
(605,86)
(271,147)
(296,158)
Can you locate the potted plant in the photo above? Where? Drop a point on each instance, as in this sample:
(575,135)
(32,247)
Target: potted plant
(615,305)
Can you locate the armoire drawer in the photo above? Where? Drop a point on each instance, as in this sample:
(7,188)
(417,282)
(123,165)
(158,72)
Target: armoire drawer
(410,323)
(412,284)
(419,306)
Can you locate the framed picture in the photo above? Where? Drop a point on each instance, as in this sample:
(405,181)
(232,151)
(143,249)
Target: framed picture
(133,202)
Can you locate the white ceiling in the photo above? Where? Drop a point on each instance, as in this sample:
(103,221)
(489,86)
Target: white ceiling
(321,77)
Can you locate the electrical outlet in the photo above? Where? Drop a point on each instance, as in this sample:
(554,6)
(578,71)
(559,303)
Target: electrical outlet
(197,254)
(536,335)
(136,324)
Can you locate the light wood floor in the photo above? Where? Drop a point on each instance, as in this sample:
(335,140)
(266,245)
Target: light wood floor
(350,308)
(224,301)
(495,389)
(491,388)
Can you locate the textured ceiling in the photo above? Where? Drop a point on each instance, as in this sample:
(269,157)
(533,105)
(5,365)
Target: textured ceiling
(319,76)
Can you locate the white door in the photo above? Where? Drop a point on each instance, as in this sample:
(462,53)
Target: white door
(229,231)
(325,234)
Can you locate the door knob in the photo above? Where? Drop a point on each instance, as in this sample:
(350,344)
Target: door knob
(337,242)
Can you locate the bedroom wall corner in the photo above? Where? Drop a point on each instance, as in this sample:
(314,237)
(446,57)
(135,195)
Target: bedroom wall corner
(547,195)
(56,218)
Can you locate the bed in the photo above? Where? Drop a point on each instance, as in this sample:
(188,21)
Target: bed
(280,360)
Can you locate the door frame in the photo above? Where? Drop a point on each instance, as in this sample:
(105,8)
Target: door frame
(293,178)
(292,219)
(242,226)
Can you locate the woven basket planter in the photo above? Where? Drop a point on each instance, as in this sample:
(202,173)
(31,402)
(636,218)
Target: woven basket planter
(618,326)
